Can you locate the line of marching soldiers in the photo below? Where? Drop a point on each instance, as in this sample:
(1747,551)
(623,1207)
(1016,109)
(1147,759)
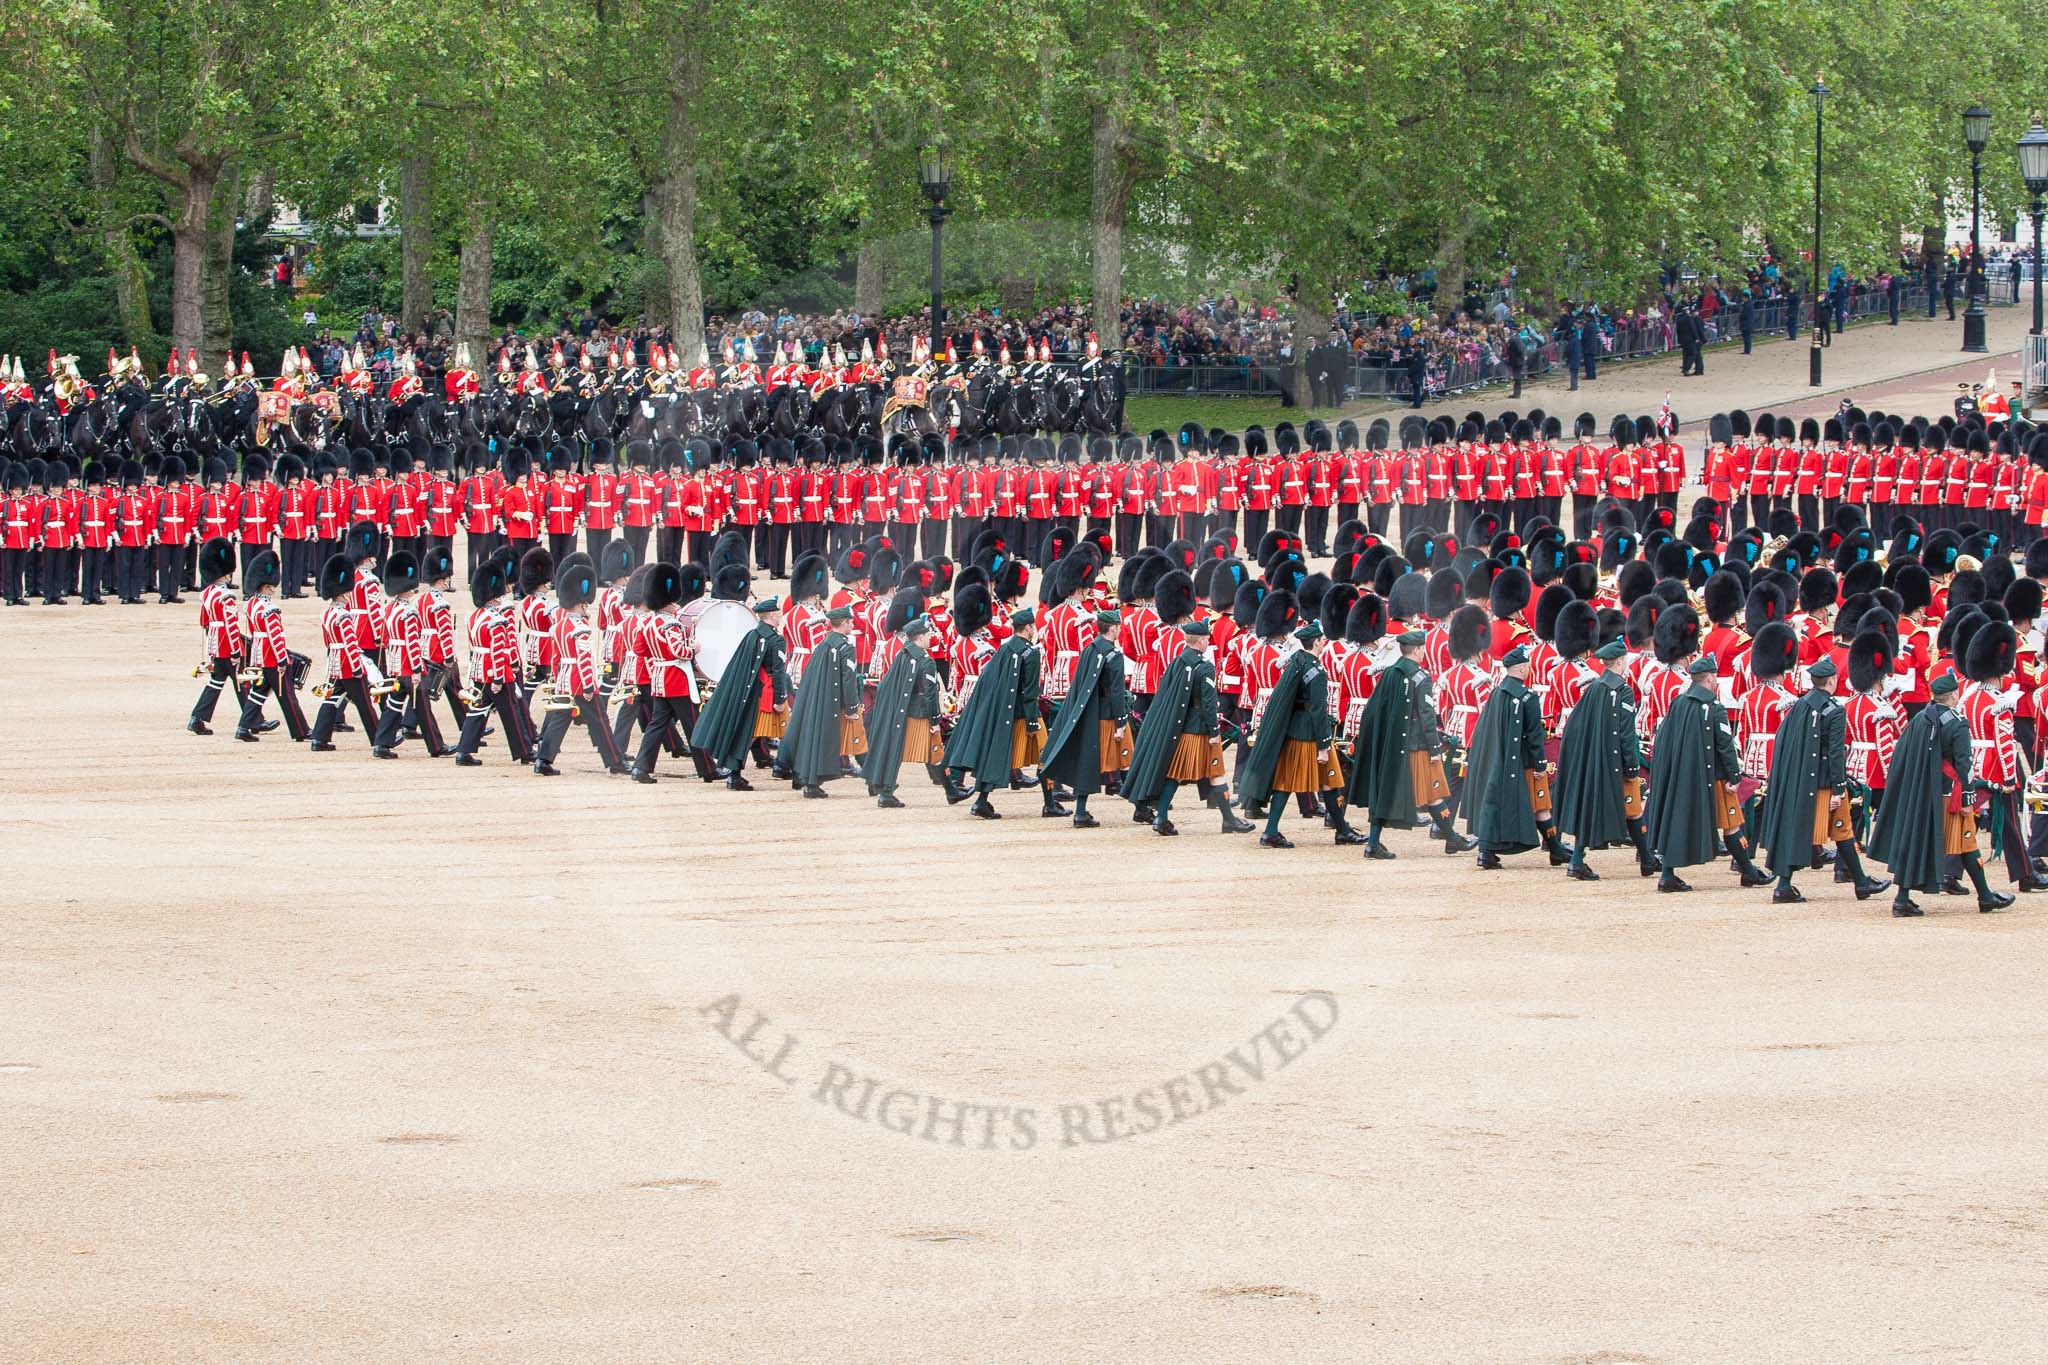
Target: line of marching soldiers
(1763,700)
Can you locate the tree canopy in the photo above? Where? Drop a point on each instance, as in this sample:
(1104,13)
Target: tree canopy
(655,159)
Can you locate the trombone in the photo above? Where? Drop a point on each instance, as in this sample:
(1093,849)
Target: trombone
(551,700)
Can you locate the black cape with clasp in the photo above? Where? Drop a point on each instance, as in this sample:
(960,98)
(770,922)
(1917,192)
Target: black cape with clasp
(909,689)
(1005,692)
(1073,746)
(725,727)
(1185,704)
(1694,748)
(1810,752)
(1931,755)
(829,692)
(1598,751)
(1506,743)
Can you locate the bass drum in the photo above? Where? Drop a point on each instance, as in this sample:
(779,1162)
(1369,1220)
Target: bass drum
(716,629)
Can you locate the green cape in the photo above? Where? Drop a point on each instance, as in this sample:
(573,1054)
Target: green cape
(1184,704)
(1598,750)
(1694,749)
(830,690)
(1006,691)
(725,727)
(1506,744)
(1906,836)
(1073,744)
(1393,724)
(910,688)
(1297,709)
(1809,753)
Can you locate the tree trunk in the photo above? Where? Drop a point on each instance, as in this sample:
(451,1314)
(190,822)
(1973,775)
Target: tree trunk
(1450,270)
(1311,328)
(679,198)
(188,265)
(263,194)
(131,286)
(473,286)
(415,239)
(216,321)
(870,280)
(1115,173)
(654,301)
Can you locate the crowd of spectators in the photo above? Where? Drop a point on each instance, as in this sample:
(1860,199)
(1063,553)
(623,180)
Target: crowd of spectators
(1408,329)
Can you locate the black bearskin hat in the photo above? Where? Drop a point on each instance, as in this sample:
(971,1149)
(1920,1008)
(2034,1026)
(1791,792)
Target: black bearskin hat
(1336,609)
(905,606)
(1510,593)
(536,570)
(1633,583)
(730,584)
(1173,597)
(1470,632)
(1573,633)
(216,559)
(575,583)
(1677,634)
(1446,590)
(486,585)
(615,560)
(1278,615)
(401,573)
(1914,586)
(1819,589)
(1407,598)
(1367,621)
(2023,600)
(1766,606)
(662,587)
(1774,651)
(1244,608)
(808,579)
(1992,652)
(1640,625)
(1870,659)
(1549,603)
(1226,580)
(974,606)
(264,571)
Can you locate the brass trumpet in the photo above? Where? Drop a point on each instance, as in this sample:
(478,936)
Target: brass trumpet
(471,696)
(322,690)
(386,688)
(250,676)
(550,700)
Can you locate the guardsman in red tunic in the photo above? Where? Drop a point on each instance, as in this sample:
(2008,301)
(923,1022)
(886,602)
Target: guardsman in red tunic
(57,529)
(405,661)
(1586,469)
(346,665)
(96,517)
(221,631)
(493,670)
(1874,719)
(577,693)
(1989,701)
(1773,656)
(516,510)
(668,651)
(20,525)
(269,653)
(561,506)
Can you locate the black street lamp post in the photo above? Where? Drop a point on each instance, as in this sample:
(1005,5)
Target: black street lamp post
(2033,150)
(1976,133)
(936,175)
(1820,93)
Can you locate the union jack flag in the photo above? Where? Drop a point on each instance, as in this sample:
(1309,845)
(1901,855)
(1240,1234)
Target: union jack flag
(1665,421)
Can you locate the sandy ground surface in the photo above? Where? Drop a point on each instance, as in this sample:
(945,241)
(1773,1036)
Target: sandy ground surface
(313,1058)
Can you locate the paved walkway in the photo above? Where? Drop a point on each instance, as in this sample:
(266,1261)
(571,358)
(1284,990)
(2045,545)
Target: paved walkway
(1912,368)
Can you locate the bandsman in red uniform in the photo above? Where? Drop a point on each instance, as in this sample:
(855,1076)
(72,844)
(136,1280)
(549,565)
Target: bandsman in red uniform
(577,693)
(346,665)
(493,670)
(405,661)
